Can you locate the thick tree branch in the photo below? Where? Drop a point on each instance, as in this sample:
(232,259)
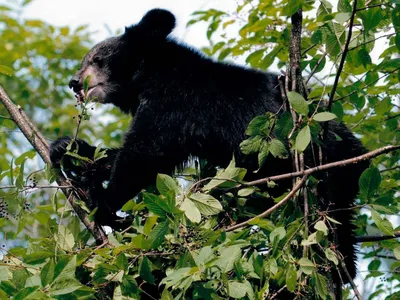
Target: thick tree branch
(39,143)
(295,52)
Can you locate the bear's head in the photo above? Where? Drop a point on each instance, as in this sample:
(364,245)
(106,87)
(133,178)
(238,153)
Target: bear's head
(114,63)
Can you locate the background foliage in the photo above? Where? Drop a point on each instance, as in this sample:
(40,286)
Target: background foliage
(177,236)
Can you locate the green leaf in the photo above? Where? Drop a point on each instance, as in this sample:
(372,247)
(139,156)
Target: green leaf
(254,58)
(292,7)
(251,145)
(203,256)
(277,234)
(224,178)
(278,149)
(236,290)
(206,204)
(37,257)
(333,220)
(176,277)
(263,154)
(129,286)
(374,265)
(256,125)
(166,184)
(166,295)
(306,265)
(284,125)
(316,37)
(86,84)
(6,70)
(344,6)
(331,256)
(149,224)
(64,287)
(383,224)
(321,226)
(19,182)
(291,278)
(337,109)
(155,204)
(29,293)
(64,238)
(145,271)
(99,153)
(157,235)
(324,116)
(47,273)
(342,17)
(321,286)
(28,154)
(396,252)
(298,103)
(65,268)
(303,139)
(246,192)
(191,211)
(311,240)
(369,182)
(364,57)
(122,262)
(228,257)
(318,67)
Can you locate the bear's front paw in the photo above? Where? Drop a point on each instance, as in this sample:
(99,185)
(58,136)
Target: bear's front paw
(58,149)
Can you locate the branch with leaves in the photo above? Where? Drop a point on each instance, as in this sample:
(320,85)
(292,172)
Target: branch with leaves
(38,142)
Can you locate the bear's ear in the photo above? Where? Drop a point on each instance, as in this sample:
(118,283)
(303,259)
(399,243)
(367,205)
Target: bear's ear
(157,23)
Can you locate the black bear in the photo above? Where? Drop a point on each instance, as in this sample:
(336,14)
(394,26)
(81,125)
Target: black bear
(185,104)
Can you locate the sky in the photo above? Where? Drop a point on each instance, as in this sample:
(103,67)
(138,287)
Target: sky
(117,14)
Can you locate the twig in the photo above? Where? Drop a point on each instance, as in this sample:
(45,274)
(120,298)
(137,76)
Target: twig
(379,255)
(315,67)
(373,40)
(377,238)
(308,49)
(343,59)
(273,208)
(367,85)
(390,169)
(306,208)
(38,142)
(273,296)
(372,6)
(37,187)
(324,167)
(353,285)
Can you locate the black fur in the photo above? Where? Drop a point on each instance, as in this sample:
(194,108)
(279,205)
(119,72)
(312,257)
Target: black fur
(185,104)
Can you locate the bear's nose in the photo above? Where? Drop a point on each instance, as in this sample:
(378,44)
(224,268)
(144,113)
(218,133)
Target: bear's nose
(74,83)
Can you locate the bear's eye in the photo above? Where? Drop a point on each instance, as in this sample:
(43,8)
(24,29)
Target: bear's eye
(97,60)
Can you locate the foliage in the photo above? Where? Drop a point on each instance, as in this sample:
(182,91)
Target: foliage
(178,243)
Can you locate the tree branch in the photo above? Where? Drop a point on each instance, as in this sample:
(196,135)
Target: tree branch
(39,143)
(297,187)
(344,53)
(295,52)
(377,238)
(335,164)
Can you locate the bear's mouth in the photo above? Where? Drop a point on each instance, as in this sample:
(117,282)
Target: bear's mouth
(80,95)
